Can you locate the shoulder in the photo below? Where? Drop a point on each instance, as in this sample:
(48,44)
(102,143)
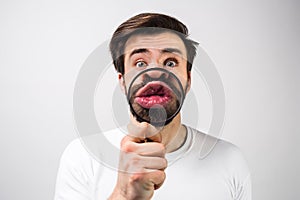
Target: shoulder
(75,156)
(208,144)
(90,152)
(228,155)
(74,146)
(226,159)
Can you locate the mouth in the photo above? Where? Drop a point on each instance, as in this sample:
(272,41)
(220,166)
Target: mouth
(155,92)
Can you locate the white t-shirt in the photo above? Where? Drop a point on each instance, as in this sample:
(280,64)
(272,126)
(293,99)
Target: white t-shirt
(221,175)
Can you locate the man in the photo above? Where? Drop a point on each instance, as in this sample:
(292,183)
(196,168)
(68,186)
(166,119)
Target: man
(159,156)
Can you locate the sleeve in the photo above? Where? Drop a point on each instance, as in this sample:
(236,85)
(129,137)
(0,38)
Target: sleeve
(245,192)
(241,177)
(75,174)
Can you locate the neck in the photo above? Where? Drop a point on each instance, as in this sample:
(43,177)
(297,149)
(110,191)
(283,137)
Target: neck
(173,135)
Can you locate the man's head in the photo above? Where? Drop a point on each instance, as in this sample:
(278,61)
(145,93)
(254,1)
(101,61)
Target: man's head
(153,23)
(158,41)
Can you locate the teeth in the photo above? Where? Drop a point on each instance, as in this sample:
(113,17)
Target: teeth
(154,91)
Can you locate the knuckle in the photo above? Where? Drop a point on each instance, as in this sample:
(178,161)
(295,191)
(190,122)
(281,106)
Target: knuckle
(135,178)
(135,161)
(161,148)
(165,163)
(123,141)
(127,147)
(162,174)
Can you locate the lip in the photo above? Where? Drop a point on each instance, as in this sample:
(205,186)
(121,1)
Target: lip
(153,93)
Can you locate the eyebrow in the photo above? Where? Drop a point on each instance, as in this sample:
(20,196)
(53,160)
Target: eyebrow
(171,50)
(136,51)
(166,50)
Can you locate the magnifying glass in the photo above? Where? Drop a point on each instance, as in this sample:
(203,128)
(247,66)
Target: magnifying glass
(155,95)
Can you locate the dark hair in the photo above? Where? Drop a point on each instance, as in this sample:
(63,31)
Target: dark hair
(148,23)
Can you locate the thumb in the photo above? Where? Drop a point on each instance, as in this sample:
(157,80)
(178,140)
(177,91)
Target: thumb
(143,131)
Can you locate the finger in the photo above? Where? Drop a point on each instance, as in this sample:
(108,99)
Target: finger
(142,130)
(153,133)
(139,164)
(154,163)
(132,163)
(153,149)
(156,178)
(137,131)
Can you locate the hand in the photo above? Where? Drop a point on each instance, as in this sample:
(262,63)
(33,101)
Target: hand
(141,165)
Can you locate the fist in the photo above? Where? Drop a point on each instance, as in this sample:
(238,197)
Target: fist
(141,164)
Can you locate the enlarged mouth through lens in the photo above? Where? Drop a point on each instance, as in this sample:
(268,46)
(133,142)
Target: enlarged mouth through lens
(155,92)
(155,100)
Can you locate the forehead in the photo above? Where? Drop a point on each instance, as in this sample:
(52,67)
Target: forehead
(155,41)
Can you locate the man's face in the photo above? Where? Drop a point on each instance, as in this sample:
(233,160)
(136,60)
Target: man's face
(156,89)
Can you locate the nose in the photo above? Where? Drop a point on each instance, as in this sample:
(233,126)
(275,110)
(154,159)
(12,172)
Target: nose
(156,74)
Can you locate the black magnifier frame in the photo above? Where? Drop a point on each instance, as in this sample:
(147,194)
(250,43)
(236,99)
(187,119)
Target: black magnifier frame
(169,119)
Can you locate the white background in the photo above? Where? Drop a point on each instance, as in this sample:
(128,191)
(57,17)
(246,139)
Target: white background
(254,44)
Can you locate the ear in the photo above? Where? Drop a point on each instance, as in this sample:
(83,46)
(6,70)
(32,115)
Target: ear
(121,83)
(189,81)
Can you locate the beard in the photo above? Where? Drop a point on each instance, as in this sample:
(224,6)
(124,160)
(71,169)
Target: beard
(156,115)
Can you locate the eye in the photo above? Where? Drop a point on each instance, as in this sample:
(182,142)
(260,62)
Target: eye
(140,64)
(171,62)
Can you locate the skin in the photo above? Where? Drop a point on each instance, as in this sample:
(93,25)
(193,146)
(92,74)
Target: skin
(142,165)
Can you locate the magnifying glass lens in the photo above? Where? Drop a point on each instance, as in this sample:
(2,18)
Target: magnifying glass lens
(155,96)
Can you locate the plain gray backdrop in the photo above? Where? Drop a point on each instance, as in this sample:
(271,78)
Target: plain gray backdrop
(254,45)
